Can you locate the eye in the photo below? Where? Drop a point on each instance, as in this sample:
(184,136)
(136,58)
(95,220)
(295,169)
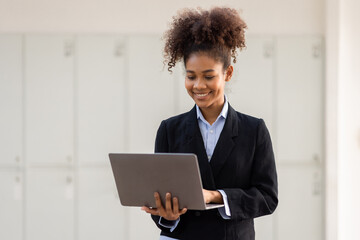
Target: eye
(191,77)
(209,77)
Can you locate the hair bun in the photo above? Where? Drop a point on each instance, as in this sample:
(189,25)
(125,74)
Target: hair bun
(220,26)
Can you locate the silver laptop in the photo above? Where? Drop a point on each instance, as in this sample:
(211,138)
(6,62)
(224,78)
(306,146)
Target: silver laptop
(138,176)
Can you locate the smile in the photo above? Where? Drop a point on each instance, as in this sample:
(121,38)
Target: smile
(202,94)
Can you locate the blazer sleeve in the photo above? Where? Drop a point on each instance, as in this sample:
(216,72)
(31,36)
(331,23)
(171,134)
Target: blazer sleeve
(261,198)
(161,145)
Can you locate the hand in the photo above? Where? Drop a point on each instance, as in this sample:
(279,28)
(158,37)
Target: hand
(169,213)
(212,196)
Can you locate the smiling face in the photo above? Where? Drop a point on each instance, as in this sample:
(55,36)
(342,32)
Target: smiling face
(205,81)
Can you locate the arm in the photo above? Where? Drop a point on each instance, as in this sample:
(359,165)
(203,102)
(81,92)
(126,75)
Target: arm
(218,196)
(261,197)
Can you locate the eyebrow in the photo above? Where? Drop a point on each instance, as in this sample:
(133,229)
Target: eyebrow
(205,71)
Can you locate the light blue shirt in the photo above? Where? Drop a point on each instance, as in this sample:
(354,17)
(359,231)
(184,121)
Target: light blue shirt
(210,135)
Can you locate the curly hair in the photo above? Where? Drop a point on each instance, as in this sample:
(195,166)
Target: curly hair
(217,33)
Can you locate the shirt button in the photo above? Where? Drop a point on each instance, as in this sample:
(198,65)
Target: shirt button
(209,156)
(197,214)
(211,131)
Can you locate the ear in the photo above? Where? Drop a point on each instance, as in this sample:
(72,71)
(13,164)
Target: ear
(229,73)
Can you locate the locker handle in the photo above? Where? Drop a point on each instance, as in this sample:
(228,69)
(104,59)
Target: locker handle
(268,50)
(68,48)
(119,49)
(68,179)
(316,51)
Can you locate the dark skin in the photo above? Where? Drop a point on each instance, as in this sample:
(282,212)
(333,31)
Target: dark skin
(171,210)
(205,83)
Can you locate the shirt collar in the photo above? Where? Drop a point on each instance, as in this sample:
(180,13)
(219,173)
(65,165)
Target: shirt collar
(223,112)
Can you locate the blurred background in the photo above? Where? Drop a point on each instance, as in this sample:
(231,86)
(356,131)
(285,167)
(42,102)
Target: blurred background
(82,78)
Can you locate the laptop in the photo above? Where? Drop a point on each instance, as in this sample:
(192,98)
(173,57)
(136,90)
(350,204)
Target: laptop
(138,176)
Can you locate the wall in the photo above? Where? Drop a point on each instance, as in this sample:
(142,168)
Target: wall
(349,120)
(125,16)
(343,119)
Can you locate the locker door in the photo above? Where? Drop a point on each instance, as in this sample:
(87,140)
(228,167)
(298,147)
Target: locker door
(11,204)
(251,90)
(101,97)
(299,128)
(100,214)
(151,91)
(49,111)
(49,204)
(11,124)
(299,104)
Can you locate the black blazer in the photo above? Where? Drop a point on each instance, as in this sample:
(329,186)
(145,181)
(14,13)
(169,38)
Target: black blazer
(242,165)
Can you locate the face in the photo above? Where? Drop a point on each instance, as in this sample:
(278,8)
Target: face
(205,80)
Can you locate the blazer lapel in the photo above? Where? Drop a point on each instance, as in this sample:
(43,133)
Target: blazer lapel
(195,144)
(225,143)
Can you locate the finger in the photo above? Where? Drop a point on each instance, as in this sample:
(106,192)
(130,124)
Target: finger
(158,201)
(182,211)
(152,211)
(168,203)
(175,206)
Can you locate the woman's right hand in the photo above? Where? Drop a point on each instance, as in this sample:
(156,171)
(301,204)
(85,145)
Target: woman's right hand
(171,211)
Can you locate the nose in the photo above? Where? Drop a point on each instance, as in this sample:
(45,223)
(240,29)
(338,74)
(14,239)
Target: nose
(199,84)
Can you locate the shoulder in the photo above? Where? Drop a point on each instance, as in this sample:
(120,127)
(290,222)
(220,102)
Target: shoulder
(248,125)
(245,120)
(173,131)
(179,120)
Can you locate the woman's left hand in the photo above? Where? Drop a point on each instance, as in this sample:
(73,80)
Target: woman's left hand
(212,196)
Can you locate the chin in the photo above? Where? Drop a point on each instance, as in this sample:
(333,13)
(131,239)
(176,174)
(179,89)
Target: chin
(202,104)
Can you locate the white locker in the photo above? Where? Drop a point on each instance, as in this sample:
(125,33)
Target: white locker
(251,90)
(11,106)
(11,204)
(299,130)
(100,214)
(49,209)
(300,211)
(49,98)
(299,99)
(101,98)
(151,91)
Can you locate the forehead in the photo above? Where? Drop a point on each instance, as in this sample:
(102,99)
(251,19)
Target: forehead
(202,62)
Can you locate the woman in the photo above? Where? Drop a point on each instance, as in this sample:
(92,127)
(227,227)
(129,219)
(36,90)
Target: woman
(234,150)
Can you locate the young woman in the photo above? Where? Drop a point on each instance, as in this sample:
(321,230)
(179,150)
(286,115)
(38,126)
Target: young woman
(234,150)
